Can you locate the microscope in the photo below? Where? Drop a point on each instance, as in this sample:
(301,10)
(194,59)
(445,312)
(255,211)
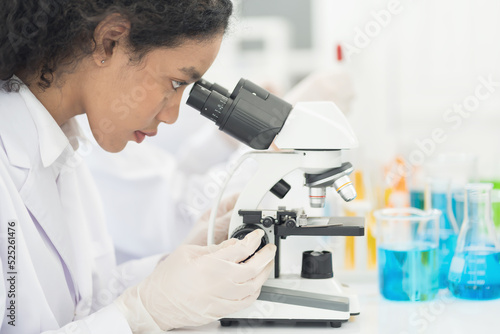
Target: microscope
(310,138)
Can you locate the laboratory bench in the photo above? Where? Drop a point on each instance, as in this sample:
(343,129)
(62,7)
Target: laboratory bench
(443,315)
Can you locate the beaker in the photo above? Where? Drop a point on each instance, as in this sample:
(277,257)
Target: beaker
(458,168)
(475,268)
(408,253)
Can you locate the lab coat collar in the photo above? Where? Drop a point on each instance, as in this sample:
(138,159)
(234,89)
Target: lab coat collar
(53,140)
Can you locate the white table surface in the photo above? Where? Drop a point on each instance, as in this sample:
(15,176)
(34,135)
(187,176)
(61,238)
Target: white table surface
(444,315)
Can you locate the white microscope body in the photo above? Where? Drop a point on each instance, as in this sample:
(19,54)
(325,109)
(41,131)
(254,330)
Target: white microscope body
(311,140)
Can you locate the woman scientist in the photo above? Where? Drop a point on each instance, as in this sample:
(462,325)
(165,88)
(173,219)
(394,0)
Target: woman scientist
(125,64)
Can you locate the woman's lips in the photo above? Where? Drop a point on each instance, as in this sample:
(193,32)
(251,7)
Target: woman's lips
(139,135)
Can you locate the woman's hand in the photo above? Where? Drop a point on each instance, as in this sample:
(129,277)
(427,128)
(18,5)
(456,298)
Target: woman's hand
(199,284)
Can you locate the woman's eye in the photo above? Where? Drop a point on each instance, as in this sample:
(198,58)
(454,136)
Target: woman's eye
(176,84)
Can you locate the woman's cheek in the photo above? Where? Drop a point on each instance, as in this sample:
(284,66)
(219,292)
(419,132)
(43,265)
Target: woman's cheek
(161,106)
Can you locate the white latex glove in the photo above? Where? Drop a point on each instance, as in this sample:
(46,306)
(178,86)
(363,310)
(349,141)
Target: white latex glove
(198,234)
(198,284)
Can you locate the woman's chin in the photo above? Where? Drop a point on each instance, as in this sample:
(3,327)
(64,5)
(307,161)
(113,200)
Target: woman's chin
(113,147)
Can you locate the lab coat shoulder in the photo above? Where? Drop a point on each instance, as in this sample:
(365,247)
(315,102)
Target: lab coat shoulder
(34,245)
(18,137)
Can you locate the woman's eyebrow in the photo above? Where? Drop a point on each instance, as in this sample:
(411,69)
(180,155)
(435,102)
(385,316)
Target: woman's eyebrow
(192,72)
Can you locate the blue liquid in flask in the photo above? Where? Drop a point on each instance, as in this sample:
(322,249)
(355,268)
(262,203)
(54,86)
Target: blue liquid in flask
(475,274)
(409,275)
(475,268)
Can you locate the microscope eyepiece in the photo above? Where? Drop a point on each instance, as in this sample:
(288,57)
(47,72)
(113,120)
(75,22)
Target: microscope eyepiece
(210,103)
(213,86)
(198,96)
(250,113)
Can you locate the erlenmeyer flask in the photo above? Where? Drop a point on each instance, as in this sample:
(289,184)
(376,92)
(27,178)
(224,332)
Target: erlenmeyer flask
(438,196)
(475,268)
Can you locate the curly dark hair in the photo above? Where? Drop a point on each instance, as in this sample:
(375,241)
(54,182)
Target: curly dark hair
(40,36)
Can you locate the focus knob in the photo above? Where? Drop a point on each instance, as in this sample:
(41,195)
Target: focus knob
(290,222)
(241,232)
(267,221)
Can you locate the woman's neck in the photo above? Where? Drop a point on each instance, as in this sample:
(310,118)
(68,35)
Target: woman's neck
(61,99)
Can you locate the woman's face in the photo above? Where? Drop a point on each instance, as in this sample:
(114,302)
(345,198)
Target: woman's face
(125,101)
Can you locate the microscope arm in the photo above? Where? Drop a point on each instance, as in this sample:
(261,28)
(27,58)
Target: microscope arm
(273,166)
(289,160)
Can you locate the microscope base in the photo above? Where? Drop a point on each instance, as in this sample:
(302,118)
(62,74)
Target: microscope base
(228,322)
(292,299)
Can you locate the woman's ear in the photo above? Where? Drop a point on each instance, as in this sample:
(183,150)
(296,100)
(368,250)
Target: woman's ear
(108,34)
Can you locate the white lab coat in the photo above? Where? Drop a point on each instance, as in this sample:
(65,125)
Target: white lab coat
(64,259)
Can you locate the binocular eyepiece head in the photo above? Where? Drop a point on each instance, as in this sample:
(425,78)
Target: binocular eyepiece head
(250,114)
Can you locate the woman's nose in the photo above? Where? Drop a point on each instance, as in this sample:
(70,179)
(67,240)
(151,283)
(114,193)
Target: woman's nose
(170,113)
